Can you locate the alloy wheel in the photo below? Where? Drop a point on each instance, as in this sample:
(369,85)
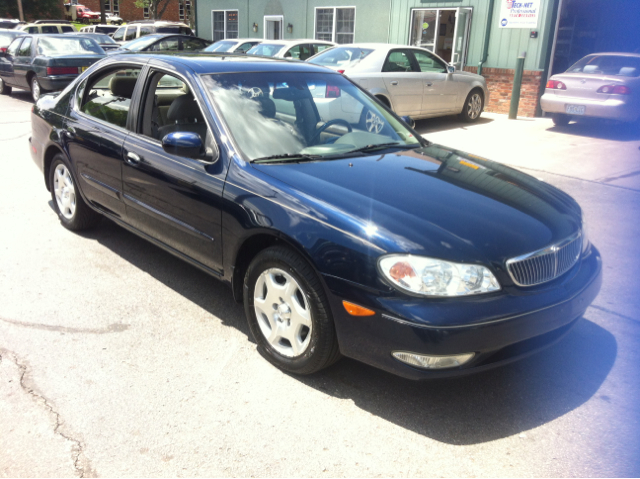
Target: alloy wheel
(35,89)
(283,312)
(65,191)
(474,107)
(373,122)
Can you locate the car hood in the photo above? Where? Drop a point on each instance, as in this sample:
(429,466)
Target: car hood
(436,201)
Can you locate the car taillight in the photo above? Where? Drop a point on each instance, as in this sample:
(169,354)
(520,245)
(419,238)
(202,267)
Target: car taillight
(332,91)
(3,50)
(556,85)
(615,89)
(63,70)
(340,71)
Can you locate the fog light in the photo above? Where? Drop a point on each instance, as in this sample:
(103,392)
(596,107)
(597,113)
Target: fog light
(432,362)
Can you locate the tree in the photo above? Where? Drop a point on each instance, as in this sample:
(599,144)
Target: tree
(156,7)
(33,9)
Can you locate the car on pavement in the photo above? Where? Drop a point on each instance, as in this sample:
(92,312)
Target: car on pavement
(106,29)
(7,36)
(413,257)
(114,19)
(235,45)
(133,30)
(48,27)
(105,41)
(600,85)
(42,63)
(410,80)
(160,42)
(291,49)
(10,23)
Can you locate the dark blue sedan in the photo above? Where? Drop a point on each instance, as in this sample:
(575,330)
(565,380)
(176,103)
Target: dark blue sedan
(339,228)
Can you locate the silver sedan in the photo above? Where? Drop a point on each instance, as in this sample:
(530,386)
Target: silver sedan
(601,85)
(411,81)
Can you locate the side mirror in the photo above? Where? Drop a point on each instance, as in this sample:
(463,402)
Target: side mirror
(451,68)
(184,143)
(409,121)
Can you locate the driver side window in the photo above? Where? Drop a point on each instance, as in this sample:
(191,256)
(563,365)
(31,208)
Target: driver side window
(429,63)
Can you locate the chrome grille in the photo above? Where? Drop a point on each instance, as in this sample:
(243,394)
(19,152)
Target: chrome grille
(545,264)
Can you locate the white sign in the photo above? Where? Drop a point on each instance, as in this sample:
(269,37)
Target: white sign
(519,14)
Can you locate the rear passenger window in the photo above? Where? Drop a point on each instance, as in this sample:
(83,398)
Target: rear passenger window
(108,96)
(299,52)
(145,30)
(49,29)
(25,48)
(192,44)
(170,44)
(33,30)
(67,29)
(131,33)
(397,61)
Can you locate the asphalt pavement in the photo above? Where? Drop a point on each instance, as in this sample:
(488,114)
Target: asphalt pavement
(118,359)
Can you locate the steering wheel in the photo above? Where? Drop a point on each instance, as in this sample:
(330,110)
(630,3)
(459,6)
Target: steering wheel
(319,131)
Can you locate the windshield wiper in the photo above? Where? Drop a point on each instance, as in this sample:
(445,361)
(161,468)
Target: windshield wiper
(379,146)
(286,157)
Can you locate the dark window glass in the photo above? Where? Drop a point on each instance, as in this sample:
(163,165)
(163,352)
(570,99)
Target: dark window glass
(244,47)
(299,52)
(218,26)
(49,29)
(13,48)
(25,48)
(33,29)
(192,44)
(67,29)
(398,61)
(119,34)
(131,33)
(618,65)
(428,63)
(345,25)
(109,96)
(145,30)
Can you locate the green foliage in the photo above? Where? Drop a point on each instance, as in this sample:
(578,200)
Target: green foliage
(33,9)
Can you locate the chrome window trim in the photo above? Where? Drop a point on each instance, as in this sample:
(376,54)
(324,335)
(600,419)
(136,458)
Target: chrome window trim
(548,250)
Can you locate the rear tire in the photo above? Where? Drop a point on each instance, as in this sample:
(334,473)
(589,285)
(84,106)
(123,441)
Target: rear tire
(295,331)
(4,88)
(36,89)
(560,119)
(473,106)
(73,212)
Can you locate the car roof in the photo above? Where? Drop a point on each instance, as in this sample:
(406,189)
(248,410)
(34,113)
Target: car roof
(241,40)
(295,42)
(206,63)
(615,54)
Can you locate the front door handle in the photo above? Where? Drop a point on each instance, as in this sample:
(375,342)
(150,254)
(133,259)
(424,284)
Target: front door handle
(394,82)
(132,158)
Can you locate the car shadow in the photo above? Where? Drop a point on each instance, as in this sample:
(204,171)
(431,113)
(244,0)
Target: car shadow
(444,123)
(22,95)
(600,129)
(465,410)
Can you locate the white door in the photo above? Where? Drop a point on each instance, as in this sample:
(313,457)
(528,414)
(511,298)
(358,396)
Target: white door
(273,27)
(461,37)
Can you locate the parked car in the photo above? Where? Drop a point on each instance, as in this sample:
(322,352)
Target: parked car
(236,45)
(48,27)
(291,49)
(133,30)
(114,19)
(600,85)
(9,23)
(413,257)
(106,29)
(163,43)
(105,41)
(80,13)
(7,36)
(42,63)
(409,80)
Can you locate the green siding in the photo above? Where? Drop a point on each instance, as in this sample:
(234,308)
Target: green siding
(388,21)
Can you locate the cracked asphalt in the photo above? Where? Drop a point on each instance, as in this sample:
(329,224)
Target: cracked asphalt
(117,359)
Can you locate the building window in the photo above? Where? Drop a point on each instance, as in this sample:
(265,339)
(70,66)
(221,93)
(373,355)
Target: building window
(225,24)
(145,12)
(116,7)
(185,10)
(107,5)
(335,24)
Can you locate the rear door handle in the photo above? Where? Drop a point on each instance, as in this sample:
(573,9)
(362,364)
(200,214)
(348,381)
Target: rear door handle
(429,84)
(132,158)
(395,82)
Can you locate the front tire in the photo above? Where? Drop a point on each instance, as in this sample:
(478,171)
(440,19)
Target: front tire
(560,119)
(4,88)
(73,212)
(473,106)
(288,313)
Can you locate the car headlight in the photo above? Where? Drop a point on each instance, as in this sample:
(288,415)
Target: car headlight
(435,277)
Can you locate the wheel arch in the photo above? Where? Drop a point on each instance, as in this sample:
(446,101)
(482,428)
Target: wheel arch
(475,87)
(50,152)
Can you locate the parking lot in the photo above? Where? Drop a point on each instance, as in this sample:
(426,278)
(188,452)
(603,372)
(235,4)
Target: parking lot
(118,359)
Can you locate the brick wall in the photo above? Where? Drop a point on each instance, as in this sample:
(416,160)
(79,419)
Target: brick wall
(500,84)
(129,11)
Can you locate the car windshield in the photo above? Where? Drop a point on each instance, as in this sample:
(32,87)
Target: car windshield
(220,46)
(68,46)
(140,43)
(617,65)
(265,49)
(102,38)
(285,116)
(340,56)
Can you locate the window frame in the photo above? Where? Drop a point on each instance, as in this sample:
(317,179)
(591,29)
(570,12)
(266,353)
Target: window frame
(334,24)
(145,12)
(107,5)
(224,12)
(19,50)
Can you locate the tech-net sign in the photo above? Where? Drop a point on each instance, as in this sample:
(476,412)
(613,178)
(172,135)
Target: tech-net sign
(517,14)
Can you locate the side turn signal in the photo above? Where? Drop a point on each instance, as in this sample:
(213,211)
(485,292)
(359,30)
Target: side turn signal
(355,310)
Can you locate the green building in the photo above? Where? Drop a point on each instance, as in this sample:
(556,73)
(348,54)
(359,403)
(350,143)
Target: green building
(484,36)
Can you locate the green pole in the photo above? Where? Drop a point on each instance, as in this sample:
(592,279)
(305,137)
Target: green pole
(517,84)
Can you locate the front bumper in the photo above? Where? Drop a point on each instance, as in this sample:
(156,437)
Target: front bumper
(614,108)
(498,328)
